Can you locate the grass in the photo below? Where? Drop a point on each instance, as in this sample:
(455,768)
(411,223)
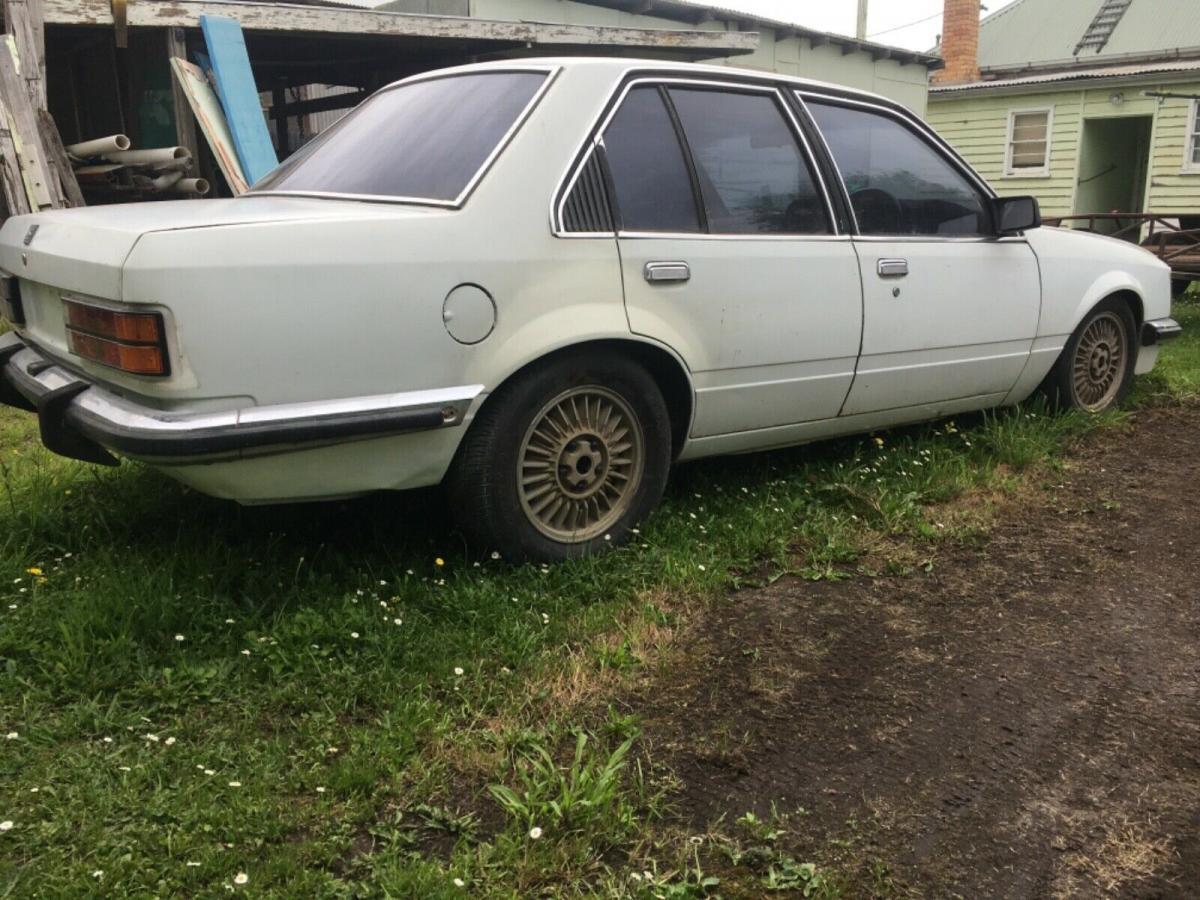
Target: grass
(337,701)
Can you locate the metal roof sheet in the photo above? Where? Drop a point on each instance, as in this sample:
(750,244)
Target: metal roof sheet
(1037,32)
(1080,74)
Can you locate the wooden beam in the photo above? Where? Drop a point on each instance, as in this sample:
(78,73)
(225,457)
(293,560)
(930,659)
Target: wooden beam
(23,20)
(43,189)
(328,20)
(185,122)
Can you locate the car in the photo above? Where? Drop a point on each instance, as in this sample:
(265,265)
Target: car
(543,283)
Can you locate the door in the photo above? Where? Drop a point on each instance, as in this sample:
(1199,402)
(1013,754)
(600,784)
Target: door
(1114,156)
(729,255)
(950,311)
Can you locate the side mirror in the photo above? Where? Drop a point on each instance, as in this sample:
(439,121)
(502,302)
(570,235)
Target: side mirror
(1013,215)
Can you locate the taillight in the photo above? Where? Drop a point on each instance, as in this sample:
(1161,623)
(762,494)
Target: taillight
(131,342)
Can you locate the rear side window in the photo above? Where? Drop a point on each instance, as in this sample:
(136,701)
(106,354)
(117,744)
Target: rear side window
(753,175)
(649,172)
(898,183)
(425,141)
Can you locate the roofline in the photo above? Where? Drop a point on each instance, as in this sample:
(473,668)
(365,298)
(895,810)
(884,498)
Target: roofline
(1076,64)
(624,66)
(696,13)
(1049,85)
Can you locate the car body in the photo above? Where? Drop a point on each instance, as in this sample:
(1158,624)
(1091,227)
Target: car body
(785,260)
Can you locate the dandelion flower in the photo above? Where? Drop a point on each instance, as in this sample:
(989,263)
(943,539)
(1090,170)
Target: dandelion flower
(439,562)
(6,825)
(535,833)
(241,878)
(34,570)
(458,670)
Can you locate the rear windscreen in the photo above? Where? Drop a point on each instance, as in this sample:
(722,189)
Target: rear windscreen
(422,141)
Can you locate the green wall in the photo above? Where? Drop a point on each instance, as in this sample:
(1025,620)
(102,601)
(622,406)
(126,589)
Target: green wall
(976,124)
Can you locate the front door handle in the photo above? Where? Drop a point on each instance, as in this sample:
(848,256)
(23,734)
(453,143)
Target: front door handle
(656,272)
(892,268)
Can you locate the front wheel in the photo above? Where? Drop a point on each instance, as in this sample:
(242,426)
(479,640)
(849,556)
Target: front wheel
(1095,370)
(564,460)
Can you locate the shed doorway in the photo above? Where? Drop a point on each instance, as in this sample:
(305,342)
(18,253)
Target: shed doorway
(1114,159)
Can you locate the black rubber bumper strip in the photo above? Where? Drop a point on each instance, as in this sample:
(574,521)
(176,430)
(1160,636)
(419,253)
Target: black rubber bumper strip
(9,395)
(1158,332)
(58,436)
(139,442)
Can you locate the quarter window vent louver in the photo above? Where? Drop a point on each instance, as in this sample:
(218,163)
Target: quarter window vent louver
(1106,20)
(587,209)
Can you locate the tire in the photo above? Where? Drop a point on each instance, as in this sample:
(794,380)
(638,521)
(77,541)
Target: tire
(563,461)
(1095,371)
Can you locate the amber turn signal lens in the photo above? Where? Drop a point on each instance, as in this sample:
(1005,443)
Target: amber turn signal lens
(140,360)
(134,328)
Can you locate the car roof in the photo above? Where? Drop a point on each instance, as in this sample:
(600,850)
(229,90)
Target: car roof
(621,66)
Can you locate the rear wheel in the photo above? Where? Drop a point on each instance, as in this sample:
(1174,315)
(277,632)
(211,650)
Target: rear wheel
(564,460)
(1095,370)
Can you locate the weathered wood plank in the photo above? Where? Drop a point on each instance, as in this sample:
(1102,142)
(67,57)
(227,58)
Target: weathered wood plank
(23,20)
(43,189)
(326,20)
(56,155)
(16,197)
(185,123)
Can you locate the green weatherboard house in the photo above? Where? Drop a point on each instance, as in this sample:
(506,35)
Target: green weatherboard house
(1089,105)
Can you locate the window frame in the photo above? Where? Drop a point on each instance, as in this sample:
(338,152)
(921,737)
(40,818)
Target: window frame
(1042,171)
(595,143)
(551,73)
(930,137)
(1191,141)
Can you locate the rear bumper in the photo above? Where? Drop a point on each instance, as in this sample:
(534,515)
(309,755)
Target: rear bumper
(1157,331)
(84,421)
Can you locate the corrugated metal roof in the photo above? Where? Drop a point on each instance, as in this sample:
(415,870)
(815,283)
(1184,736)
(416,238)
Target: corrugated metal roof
(1046,32)
(1081,74)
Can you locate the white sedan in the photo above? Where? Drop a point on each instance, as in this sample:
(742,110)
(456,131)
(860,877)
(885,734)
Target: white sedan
(544,282)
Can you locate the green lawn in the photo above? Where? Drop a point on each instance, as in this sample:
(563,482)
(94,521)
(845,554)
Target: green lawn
(314,701)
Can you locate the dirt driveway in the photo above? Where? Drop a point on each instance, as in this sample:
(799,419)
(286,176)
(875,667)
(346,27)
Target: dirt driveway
(1022,721)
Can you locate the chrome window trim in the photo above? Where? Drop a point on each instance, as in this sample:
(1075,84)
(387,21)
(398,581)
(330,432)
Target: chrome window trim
(697,236)
(616,97)
(551,73)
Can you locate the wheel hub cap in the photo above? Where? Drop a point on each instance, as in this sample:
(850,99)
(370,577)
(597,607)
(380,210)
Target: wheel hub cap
(1100,362)
(580,464)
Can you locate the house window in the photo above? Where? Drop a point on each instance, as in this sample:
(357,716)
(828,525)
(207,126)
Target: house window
(1028,142)
(1191,158)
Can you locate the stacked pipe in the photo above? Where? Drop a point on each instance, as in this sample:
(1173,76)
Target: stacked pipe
(108,165)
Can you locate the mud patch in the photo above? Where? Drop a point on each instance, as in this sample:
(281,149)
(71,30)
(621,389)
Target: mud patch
(1023,721)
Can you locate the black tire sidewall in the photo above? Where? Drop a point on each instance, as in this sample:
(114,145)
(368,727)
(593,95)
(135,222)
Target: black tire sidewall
(502,521)
(1062,389)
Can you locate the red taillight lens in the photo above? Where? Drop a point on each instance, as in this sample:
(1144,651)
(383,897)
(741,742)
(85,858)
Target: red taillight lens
(131,342)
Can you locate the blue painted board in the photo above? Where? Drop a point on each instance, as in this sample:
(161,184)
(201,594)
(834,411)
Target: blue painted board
(239,95)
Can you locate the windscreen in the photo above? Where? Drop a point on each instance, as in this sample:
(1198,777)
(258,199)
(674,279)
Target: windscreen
(424,140)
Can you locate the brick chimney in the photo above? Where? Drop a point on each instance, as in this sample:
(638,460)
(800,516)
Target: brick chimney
(960,42)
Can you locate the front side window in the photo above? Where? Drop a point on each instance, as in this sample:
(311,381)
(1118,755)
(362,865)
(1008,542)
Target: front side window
(753,176)
(1028,142)
(649,170)
(425,140)
(898,183)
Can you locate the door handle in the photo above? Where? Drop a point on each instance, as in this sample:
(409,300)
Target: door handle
(656,272)
(892,268)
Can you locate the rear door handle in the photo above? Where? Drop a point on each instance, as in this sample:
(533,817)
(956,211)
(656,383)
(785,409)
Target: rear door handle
(892,268)
(656,272)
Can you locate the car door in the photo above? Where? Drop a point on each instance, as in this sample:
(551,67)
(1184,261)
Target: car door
(729,254)
(950,311)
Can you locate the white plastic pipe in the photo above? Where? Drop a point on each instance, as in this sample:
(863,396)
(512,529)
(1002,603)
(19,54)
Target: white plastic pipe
(174,165)
(114,143)
(162,182)
(148,157)
(197,186)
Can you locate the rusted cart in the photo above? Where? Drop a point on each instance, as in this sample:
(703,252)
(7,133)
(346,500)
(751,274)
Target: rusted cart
(1173,239)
